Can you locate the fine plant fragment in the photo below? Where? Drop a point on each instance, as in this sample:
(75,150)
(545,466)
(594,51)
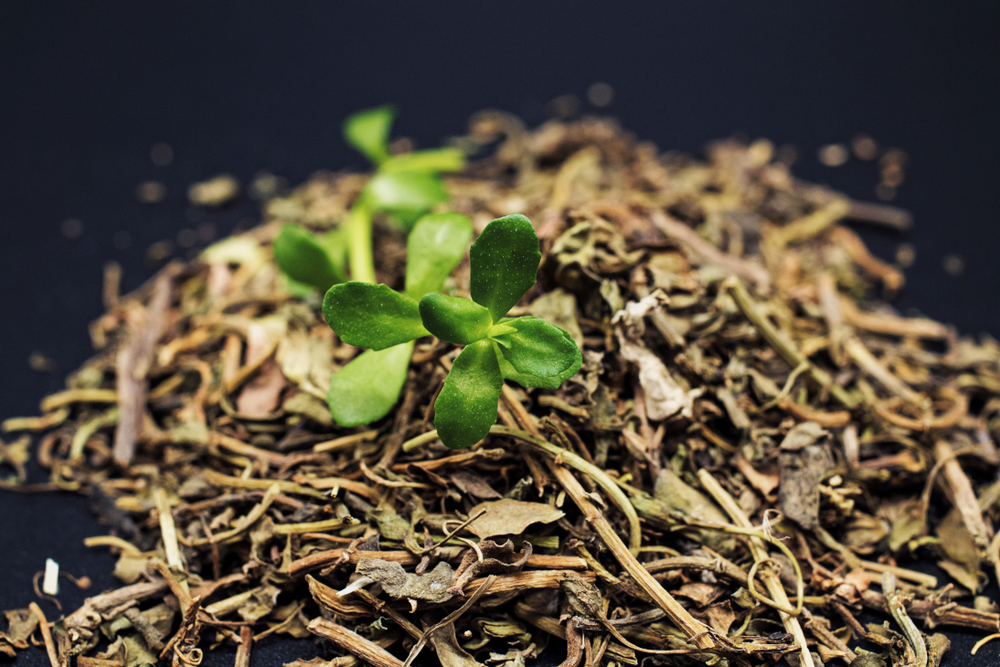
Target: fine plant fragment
(503,263)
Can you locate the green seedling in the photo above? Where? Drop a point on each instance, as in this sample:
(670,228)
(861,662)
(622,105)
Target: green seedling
(366,388)
(404,187)
(503,266)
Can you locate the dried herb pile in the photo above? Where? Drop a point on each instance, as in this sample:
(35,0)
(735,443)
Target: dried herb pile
(752,453)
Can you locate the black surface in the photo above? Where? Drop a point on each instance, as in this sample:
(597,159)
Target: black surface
(87,88)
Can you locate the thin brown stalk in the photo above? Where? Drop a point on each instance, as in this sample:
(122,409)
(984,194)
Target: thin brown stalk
(678,615)
(759,551)
(354,643)
(243,650)
(43,626)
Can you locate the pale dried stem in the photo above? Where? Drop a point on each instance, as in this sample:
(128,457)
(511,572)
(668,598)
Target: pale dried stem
(43,625)
(759,550)
(354,643)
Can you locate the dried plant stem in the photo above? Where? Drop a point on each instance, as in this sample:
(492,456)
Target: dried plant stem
(898,611)
(744,268)
(168,530)
(759,551)
(247,521)
(965,497)
(354,643)
(579,463)
(867,362)
(71,396)
(43,626)
(694,629)
(243,650)
(935,613)
(781,344)
(420,441)
(344,442)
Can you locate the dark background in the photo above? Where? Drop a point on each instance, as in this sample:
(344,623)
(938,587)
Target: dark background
(87,88)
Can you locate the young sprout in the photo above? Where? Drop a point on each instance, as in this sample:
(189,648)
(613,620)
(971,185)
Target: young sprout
(503,264)
(404,186)
(366,388)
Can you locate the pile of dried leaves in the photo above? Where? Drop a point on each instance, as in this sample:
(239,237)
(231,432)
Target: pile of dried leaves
(751,453)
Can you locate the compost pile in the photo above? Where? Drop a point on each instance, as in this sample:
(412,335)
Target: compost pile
(753,452)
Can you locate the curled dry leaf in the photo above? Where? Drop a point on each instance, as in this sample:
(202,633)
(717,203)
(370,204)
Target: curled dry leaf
(510,517)
(398,583)
(665,397)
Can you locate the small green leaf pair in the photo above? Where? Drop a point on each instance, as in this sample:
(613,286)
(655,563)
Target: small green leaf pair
(504,263)
(366,388)
(404,186)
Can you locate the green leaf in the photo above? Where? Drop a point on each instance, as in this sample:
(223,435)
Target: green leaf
(466,408)
(455,320)
(406,194)
(539,348)
(504,263)
(300,256)
(368,131)
(430,161)
(522,351)
(335,244)
(434,248)
(366,388)
(372,316)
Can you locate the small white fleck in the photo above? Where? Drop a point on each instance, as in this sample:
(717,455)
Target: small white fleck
(50,585)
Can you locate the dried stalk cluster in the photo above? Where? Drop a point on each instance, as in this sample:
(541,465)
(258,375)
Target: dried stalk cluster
(752,446)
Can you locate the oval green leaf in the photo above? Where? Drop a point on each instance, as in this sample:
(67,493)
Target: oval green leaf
(300,256)
(368,131)
(372,316)
(466,408)
(539,348)
(529,380)
(405,194)
(455,320)
(504,263)
(366,388)
(432,161)
(433,250)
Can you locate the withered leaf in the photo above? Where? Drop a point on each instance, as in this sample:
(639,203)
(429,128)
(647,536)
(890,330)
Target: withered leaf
(802,435)
(472,484)
(721,616)
(510,517)
(863,532)
(665,397)
(20,624)
(702,594)
(491,563)
(398,583)
(391,526)
(309,406)
(502,627)
(801,467)
(260,604)
(907,520)
(449,653)
(137,654)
